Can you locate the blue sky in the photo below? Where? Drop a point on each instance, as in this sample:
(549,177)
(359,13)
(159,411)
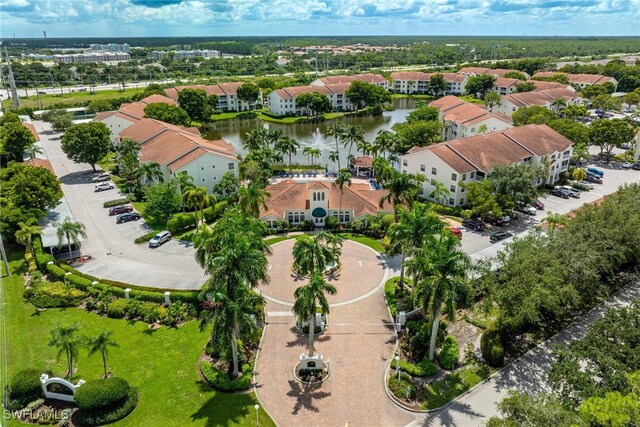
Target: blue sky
(129,18)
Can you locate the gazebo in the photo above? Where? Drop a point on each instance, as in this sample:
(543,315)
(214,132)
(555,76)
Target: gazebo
(363,165)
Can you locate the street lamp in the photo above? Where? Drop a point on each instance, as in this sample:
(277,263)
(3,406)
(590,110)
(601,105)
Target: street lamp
(398,366)
(257,419)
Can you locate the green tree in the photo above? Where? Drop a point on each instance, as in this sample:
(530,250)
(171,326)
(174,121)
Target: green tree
(198,199)
(579,174)
(523,409)
(573,111)
(608,134)
(167,113)
(148,172)
(15,139)
(68,341)
(252,198)
(313,254)
(163,200)
(343,178)
(315,102)
(98,105)
(289,146)
(255,139)
(153,89)
(492,99)
(592,91)
(479,85)
(534,114)
(353,134)
(614,409)
(580,152)
(336,131)
(416,134)
(515,75)
(402,190)
(28,187)
(606,102)
(423,113)
(71,232)
(87,143)
(382,170)
(574,131)
(24,235)
(481,199)
(310,296)
(128,158)
(212,101)
(525,87)
(443,281)
(437,84)
(228,185)
(440,192)
(631,98)
(553,220)
(249,93)
(194,102)
(363,94)
(9,117)
(515,184)
(100,344)
(60,120)
(311,152)
(386,142)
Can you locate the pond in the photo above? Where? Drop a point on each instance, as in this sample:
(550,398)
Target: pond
(312,134)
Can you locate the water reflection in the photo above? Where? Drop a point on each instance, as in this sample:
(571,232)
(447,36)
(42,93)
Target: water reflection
(312,134)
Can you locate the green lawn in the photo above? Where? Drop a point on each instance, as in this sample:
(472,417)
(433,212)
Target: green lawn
(374,244)
(274,240)
(472,100)
(440,392)
(404,95)
(162,364)
(72,98)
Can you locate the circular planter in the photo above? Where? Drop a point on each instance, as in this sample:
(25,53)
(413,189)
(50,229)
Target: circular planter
(325,372)
(327,271)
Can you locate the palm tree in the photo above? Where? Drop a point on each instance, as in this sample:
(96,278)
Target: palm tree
(34,149)
(334,156)
(311,254)
(343,178)
(553,220)
(336,131)
(440,192)
(198,199)
(579,174)
(306,151)
(148,172)
(382,170)
(128,160)
(252,198)
(25,234)
(443,281)
(558,104)
(310,296)
(71,231)
(315,153)
(386,141)
(255,139)
(183,182)
(402,190)
(365,147)
(68,342)
(288,146)
(100,344)
(412,230)
(353,134)
(311,152)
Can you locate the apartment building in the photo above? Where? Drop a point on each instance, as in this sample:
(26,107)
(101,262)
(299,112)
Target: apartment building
(283,101)
(227,95)
(70,58)
(544,98)
(417,82)
(579,80)
(375,79)
(496,72)
(110,47)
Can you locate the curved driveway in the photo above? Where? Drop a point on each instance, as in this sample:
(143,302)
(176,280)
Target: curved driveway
(115,256)
(357,344)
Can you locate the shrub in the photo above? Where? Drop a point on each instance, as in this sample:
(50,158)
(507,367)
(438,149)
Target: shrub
(117,308)
(399,388)
(181,221)
(110,414)
(145,237)
(24,387)
(42,258)
(55,271)
(212,213)
(492,348)
(103,393)
(31,262)
(390,294)
(220,380)
(425,368)
(56,294)
(449,354)
(116,202)
(78,282)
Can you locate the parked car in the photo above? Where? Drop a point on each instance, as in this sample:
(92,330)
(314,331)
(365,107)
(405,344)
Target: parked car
(627,165)
(126,217)
(160,238)
(101,177)
(499,235)
(527,209)
(120,209)
(473,224)
(456,232)
(587,184)
(636,166)
(595,171)
(538,205)
(497,220)
(560,193)
(573,192)
(104,186)
(625,146)
(593,178)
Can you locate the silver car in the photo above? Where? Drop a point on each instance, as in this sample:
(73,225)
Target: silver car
(573,192)
(160,238)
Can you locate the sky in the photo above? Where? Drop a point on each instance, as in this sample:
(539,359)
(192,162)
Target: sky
(139,18)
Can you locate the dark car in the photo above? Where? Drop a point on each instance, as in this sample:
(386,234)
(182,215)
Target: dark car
(560,193)
(538,205)
(474,224)
(499,235)
(126,217)
(593,178)
(120,209)
(636,166)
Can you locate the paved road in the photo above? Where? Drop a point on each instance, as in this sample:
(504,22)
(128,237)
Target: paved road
(116,257)
(528,374)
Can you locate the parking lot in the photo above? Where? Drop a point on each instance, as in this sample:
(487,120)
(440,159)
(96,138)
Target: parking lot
(111,246)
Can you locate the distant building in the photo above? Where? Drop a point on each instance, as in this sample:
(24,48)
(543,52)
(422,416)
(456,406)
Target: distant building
(70,58)
(283,101)
(496,72)
(111,47)
(375,79)
(227,95)
(544,98)
(580,80)
(186,54)
(417,82)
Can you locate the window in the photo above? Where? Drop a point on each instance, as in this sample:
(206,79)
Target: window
(461,189)
(434,171)
(314,196)
(404,162)
(472,175)
(423,168)
(213,167)
(302,216)
(290,216)
(464,176)
(231,166)
(454,176)
(462,201)
(202,179)
(183,172)
(202,168)
(346,217)
(527,159)
(296,217)
(452,188)
(451,201)
(323,196)
(480,175)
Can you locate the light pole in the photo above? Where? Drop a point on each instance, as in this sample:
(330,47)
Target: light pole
(398,366)
(257,419)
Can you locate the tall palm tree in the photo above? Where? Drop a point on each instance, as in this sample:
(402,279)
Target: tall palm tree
(382,170)
(343,178)
(25,234)
(365,147)
(411,232)
(311,254)
(71,231)
(353,134)
(306,151)
(443,281)
(553,220)
(255,139)
(402,189)
(273,136)
(334,156)
(336,131)
(558,105)
(310,296)
(386,142)
(148,172)
(182,182)
(252,198)
(311,152)
(198,199)
(288,146)
(100,344)
(315,153)
(68,341)
(440,192)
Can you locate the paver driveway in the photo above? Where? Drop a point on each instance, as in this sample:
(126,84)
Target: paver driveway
(358,345)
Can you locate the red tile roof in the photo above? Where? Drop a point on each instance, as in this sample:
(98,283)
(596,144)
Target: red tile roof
(454,109)
(589,79)
(43,163)
(221,89)
(540,97)
(32,129)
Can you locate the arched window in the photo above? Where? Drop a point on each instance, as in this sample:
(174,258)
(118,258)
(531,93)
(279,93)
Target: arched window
(290,217)
(301,216)
(314,196)
(296,217)
(323,195)
(346,217)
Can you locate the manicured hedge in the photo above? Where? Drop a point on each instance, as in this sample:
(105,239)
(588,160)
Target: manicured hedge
(116,202)
(390,294)
(181,222)
(425,368)
(109,414)
(449,354)
(55,272)
(98,394)
(24,387)
(492,348)
(42,258)
(116,308)
(56,294)
(145,237)
(220,379)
